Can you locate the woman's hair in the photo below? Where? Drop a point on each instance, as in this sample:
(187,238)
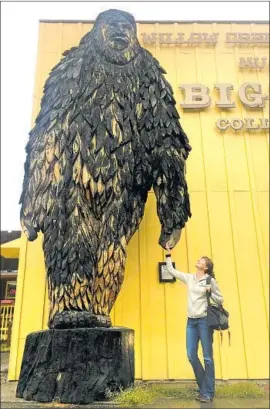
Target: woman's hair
(210,266)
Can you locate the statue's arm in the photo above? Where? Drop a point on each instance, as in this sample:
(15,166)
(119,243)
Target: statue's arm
(170,187)
(46,158)
(169,181)
(168,146)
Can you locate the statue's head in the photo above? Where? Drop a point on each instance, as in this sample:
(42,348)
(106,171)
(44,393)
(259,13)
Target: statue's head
(115,34)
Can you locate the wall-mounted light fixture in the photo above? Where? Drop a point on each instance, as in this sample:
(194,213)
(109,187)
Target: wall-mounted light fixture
(164,276)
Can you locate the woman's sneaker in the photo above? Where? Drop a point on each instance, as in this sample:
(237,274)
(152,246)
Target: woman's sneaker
(205,399)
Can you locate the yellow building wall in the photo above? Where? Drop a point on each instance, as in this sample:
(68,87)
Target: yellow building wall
(228,182)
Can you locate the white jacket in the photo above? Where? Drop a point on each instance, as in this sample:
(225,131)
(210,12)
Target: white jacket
(197,297)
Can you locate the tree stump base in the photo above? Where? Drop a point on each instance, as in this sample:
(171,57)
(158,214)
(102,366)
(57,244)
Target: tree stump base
(76,365)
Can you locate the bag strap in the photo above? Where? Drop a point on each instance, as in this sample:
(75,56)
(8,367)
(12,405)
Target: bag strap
(208,282)
(221,336)
(208,279)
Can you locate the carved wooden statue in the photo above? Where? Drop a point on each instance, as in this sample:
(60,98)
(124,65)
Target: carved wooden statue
(107,132)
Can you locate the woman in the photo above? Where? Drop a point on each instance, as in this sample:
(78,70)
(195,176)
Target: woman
(197,327)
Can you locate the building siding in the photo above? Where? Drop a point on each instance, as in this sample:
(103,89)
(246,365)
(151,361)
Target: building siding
(229,188)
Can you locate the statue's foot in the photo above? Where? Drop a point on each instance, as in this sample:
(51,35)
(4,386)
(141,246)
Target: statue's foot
(79,319)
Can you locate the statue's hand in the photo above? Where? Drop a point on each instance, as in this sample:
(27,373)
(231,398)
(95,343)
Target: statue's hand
(28,230)
(169,239)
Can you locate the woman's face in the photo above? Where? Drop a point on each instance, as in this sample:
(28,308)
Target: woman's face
(201,264)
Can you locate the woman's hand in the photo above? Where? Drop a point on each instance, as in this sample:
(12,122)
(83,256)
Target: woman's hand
(168,247)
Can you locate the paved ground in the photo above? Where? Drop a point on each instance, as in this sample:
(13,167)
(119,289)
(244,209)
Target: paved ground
(4,361)
(8,401)
(4,366)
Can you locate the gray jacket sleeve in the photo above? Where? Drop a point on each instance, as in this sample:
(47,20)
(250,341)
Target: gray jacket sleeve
(175,273)
(216,295)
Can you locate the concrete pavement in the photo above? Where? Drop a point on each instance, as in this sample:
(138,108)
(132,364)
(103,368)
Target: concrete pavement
(4,361)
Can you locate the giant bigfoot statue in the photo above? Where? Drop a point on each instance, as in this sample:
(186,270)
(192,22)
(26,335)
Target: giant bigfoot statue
(107,131)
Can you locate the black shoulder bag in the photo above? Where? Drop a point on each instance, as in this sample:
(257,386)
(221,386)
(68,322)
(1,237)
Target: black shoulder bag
(217,316)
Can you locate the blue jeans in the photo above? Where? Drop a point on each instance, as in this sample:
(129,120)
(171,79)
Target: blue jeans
(197,329)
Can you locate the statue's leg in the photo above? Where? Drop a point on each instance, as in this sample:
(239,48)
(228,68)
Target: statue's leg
(70,263)
(70,303)
(112,253)
(109,277)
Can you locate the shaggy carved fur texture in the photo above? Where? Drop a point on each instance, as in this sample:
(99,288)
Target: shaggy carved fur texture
(107,132)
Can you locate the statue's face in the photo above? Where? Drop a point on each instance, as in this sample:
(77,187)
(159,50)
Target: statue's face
(117,40)
(119,34)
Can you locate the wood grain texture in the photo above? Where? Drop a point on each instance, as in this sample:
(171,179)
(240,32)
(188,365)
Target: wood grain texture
(76,366)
